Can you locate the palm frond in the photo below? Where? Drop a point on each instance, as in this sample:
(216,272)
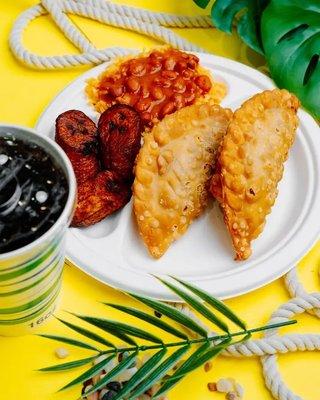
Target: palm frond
(103,324)
(140,374)
(154,321)
(87,333)
(157,368)
(112,326)
(159,372)
(178,374)
(72,342)
(68,365)
(171,313)
(196,305)
(124,364)
(93,371)
(213,302)
(205,356)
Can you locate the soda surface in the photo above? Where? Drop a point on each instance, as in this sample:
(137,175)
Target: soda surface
(33,192)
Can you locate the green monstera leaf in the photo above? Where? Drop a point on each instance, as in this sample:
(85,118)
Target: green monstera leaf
(287,32)
(291,39)
(248,15)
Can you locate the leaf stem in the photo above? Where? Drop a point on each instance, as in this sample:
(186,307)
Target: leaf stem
(200,340)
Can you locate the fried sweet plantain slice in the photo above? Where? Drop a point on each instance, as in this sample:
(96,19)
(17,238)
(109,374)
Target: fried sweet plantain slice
(120,138)
(100,191)
(76,132)
(173,171)
(251,164)
(77,135)
(100,197)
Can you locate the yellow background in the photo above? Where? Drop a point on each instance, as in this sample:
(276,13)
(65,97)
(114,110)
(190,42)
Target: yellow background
(23,95)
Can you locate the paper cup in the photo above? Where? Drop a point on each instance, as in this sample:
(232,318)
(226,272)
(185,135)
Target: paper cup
(30,277)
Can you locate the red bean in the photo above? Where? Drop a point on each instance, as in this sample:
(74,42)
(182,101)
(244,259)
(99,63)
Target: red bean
(192,64)
(133,84)
(144,91)
(137,68)
(114,78)
(203,82)
(126,98)
(187,74)
(155,66)
(168,108)
(160,81)
(193,61)
(143,105)
(157,93)
(170,63)
(106,86)
(191,87)
(124,69)
(179,85)
(117,89)
(169,74)
(181,66)
(156,55)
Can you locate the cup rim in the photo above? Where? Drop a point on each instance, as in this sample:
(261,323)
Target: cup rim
(71,195)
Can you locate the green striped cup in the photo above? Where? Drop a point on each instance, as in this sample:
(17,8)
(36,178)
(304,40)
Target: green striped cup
(30,277)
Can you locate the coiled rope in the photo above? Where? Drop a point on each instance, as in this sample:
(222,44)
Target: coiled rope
(272,344)
(142,21)
(157,25)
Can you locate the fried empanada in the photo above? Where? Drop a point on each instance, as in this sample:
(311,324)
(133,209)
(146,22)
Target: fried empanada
(251,162)
(173,172)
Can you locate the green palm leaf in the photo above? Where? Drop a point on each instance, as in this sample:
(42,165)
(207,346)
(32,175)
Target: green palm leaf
(156,368)
(213,302)
(72,342)
(149,318)
(124,364)
(89,374)
(171,313)
(140,374)
(68,365)
(205,356)
(200,357)
(196,305)
(157,374)
(126,329)
(87,333)
(178,374)
(100,323)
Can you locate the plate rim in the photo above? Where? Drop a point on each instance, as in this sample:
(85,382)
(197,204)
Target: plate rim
(226,64)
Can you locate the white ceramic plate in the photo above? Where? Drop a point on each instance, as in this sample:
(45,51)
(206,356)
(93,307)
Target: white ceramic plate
(112,251)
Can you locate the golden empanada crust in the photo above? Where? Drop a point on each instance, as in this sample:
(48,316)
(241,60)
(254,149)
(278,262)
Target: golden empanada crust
(173,172)
(251,162)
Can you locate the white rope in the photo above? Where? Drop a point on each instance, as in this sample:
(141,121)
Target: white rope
(156,25)
(296,288)
(273,344)
(130,18)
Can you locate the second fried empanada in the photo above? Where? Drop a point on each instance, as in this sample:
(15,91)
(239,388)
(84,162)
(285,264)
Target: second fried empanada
(251,162)
(173,171)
